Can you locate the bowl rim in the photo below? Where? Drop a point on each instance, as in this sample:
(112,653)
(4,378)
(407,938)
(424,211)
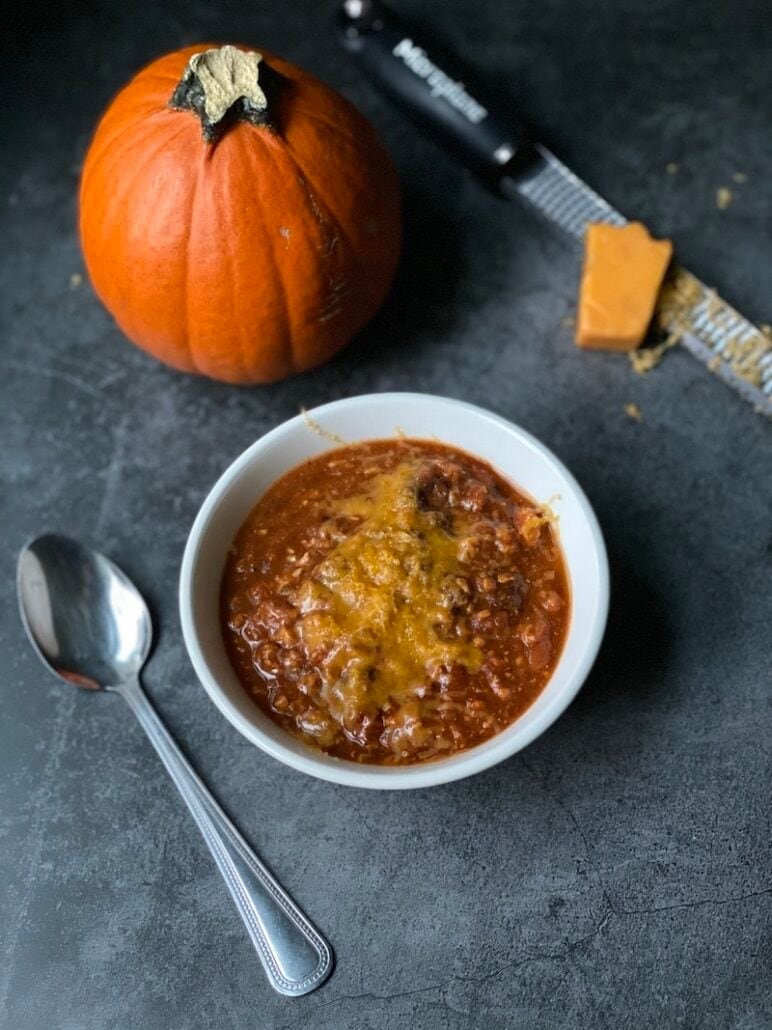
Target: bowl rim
(465,763)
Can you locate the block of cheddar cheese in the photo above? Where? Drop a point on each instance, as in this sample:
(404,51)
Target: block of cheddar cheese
(623,271)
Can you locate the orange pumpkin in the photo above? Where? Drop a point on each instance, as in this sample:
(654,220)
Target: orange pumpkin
(238,218)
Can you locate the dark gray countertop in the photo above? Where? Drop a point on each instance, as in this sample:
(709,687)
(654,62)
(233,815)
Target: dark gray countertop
(615,874)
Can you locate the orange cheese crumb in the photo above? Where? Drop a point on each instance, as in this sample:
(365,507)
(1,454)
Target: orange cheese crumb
(623,271)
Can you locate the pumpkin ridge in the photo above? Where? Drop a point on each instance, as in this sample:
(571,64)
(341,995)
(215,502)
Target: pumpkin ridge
(188,263)
(122,186)
(125,185)
(243,359)
(315,198)
(125,129)
(296,365)
(237,322)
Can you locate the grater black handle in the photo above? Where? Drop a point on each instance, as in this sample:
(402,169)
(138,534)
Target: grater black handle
(477,127)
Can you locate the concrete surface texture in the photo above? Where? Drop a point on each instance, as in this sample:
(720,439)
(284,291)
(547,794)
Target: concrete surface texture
(617,873)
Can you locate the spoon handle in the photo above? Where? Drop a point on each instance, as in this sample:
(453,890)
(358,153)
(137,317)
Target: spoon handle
(296,958)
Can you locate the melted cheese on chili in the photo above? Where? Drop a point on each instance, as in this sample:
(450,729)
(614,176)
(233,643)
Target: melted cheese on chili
(375,605)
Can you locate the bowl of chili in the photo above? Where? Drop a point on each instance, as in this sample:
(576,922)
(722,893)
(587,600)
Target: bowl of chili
(394,591)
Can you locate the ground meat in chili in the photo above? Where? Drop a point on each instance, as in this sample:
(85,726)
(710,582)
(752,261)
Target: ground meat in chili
(394,601)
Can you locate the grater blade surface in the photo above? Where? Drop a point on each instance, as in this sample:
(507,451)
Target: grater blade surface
(687,310)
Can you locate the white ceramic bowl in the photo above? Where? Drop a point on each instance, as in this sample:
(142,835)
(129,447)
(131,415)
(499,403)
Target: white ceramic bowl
(510,450)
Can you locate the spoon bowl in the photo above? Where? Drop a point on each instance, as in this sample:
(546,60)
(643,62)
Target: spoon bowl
(85,618)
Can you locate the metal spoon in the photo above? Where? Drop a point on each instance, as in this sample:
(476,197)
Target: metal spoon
(91,627)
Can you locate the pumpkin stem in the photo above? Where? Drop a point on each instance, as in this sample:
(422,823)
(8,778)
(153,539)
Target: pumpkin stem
(220,84)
